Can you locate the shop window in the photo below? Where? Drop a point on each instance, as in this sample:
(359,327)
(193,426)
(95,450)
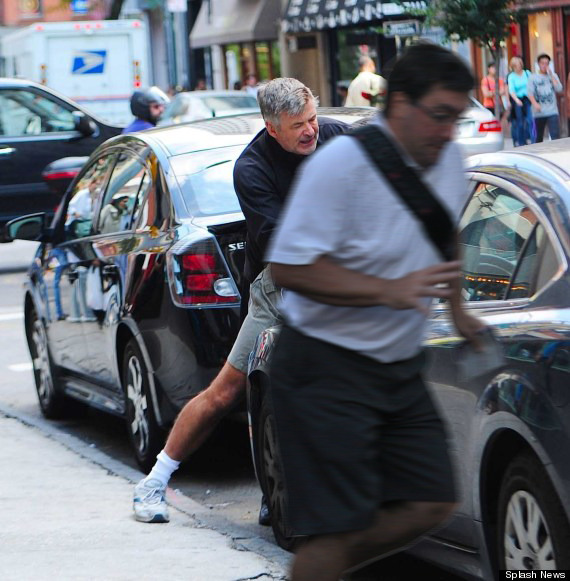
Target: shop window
(540,37)
(234,72)
(263,61)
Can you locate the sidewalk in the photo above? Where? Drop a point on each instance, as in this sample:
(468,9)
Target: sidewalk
(66,518)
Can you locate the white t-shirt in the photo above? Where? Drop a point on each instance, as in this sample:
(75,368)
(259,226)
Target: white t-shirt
(343,208)
(364,82)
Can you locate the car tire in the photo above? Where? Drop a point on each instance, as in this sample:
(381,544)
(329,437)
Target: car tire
(271,477)
(53,403)
(534,532)
(145,435)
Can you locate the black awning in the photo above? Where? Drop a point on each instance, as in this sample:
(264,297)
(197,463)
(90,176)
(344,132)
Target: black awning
(308,15)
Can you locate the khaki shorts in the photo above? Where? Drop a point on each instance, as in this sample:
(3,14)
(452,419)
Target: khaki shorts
(262,313)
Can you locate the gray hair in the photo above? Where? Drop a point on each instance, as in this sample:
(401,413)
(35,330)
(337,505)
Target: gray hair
(283,95)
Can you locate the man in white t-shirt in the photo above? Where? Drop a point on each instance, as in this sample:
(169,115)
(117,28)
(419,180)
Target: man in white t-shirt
(364,452)
(367,86)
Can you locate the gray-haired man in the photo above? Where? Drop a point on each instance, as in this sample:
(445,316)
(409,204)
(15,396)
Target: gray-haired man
(263,175)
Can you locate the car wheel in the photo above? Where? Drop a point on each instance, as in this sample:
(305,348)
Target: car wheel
(52,402)
(533,530)
(146,436)
(271,477)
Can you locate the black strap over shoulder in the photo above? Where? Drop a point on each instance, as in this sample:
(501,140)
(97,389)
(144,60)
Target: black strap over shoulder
(410,187)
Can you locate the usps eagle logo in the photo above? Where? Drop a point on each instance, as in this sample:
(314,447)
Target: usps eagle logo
(88,62)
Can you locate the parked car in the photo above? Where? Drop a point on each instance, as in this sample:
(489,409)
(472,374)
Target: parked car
(510,426)
(132,301)
(194,105)
(478,130)
(59,174)
(38,126)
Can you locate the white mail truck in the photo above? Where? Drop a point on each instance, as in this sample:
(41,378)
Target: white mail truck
(96,63)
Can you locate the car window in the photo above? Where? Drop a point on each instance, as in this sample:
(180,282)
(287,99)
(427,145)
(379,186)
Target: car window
(83,199)
(538,264)
(223,102)
(493,233)
(153,210)
(24,113)
(123,194)
(206,181)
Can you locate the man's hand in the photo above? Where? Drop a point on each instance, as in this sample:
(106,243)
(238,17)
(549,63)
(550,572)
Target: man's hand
(407,292)
(467,325)
(536,107)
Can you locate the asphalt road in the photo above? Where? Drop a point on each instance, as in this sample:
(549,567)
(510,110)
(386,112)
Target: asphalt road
(220,476)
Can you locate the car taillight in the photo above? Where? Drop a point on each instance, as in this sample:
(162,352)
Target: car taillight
(487,126)
(60,175)
(198,276)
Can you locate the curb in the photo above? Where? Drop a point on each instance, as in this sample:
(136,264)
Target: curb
(241,538)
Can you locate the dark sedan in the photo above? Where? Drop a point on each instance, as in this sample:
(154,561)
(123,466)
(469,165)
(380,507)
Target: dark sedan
(38,126)
(132,301)
(510,426)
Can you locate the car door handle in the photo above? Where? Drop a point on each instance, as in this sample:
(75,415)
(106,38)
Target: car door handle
(6,151)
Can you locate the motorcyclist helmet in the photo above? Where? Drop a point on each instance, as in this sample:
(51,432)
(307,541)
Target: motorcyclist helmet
(142,100)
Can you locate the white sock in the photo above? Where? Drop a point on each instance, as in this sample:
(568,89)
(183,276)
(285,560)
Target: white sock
(163,468)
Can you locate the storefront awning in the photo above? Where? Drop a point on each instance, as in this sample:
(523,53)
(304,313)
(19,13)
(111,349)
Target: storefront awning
(308,15)
(229,21)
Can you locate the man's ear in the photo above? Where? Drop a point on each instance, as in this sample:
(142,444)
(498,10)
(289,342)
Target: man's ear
(271,129)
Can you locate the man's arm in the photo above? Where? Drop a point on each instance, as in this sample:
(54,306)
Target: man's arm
(530,93)
(327,282)
(557,85)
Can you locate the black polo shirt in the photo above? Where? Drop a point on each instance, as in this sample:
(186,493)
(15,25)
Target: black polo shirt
(263,175)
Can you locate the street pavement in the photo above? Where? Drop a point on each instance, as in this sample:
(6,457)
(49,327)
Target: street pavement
(66,515)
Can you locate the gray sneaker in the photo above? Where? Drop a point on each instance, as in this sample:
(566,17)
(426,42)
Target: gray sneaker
(149,501)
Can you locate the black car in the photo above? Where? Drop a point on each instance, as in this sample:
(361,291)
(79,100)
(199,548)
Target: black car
(38,126)
(510,425)
(132,301)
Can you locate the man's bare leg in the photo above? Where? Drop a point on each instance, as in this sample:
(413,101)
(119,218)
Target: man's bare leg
(201,415)
(193,425)
(326,557)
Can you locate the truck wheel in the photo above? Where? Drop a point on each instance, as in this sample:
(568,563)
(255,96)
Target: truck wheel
(533,530)
(146,436)
(271,477)
(52,401)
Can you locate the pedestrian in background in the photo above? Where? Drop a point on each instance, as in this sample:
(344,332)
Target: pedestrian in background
(543,87)
(488,88)
(263,175)
(250,86)
(522,122)
(367,86)
(147,105)
(364,452)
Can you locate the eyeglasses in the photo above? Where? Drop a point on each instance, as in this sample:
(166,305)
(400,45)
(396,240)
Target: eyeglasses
(440,117)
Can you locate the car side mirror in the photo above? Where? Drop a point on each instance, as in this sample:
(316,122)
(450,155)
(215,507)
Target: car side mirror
(84,124)
(31,227)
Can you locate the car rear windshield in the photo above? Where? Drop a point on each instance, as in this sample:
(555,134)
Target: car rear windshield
(222,102)
(206,180)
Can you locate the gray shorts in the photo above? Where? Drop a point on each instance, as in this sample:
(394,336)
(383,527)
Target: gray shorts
(262,313)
